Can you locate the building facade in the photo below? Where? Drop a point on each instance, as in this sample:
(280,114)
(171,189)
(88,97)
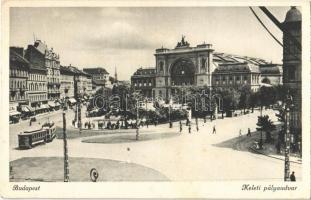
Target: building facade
(89,84)
(292,67)
(66,83)
(98,73)
(19,72)
(37,84)
(39,55)
(271,74)
(53,74)
(182,66)
(199,66)
(143,80)
(236,75)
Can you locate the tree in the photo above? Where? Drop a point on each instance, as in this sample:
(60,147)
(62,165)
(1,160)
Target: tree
(281,118)
(266,96)
(230,100)
(244,101)
(266,125)
(253,100)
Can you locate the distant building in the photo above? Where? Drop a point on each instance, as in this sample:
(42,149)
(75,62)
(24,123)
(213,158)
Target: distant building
(98,84)
(39,55)
(143,80)
(38,90)
(19,69)
(66,83)
(271,74)
(82,83)
(186,66)
(236,75)
(98,73)
(292,68)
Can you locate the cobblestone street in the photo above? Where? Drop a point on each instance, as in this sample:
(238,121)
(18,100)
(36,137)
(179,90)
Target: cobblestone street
(177,156)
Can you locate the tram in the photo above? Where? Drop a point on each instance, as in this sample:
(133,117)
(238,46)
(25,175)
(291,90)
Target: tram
(29,139)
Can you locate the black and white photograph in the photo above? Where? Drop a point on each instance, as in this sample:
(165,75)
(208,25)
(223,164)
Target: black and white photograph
(141,93)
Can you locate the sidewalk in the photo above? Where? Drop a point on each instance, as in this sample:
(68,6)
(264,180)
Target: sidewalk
(268,149)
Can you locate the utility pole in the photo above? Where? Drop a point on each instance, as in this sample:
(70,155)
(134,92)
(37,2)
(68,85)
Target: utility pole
(66,164)
(288,105)
(137,117)
(279,25)
(287,147)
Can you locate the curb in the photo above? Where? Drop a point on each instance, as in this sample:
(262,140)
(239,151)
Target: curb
(254,150)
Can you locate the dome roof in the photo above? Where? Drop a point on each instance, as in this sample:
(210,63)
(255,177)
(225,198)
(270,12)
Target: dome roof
(293,15)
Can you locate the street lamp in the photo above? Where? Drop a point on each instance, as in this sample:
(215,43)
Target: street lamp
(137,118)
(260,142)
(288,106)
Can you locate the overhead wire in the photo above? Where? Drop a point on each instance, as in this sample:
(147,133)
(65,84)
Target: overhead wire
(271,34)
(265,27)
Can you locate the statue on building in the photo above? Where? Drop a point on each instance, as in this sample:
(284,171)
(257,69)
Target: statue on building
(182,43)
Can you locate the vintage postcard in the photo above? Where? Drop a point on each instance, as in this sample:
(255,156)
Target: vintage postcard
(155,99)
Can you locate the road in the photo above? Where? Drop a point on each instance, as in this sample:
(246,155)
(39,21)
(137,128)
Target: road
(187,157)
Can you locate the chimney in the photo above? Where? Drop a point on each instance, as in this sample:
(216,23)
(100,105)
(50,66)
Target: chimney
(19,50)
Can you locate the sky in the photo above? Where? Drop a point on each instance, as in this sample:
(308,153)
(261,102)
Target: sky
(126,37)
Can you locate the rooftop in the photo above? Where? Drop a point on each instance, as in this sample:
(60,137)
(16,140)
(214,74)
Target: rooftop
(96,70)
(293,15)
(145,71)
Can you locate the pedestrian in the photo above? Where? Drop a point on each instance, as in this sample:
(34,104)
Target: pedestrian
(292,177)
(30,122)
(171,124)
(240,133)
(137,133)
(249,132)
(214,129)
(180,126)
(197,128)
(189,129)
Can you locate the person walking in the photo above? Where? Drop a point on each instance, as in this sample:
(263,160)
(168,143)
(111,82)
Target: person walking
(214,129)
(180,126)
(137,133)
(189,129)
(249,132)
(292,177)
(240,133)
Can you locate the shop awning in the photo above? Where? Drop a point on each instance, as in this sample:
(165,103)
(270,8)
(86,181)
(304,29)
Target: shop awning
(40,108)
(27,109)
(52,104)
(72,100)
(45,106)
(13,113)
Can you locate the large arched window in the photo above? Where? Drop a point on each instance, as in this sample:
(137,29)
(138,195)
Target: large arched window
(266,80)
(182,72)
(161,66)
(203,63)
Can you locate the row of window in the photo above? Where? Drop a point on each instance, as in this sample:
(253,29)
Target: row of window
(53,80)
(37,77)
(142,84)
(53,72)
(230,82)
(18,73)
(37,86)
(18,84)
(37,97)
(51,63)
(17,96)
(255,78)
